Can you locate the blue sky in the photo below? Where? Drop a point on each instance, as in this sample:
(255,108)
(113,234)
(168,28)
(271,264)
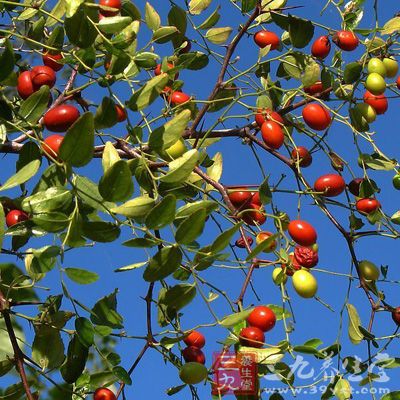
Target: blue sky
(313,320)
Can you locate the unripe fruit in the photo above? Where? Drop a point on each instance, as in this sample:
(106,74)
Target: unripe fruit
(376,65)
(15,216)
(368,270)
(268,115)
(302,232)
(277,275)
(177,149)
(316,116)
(110,3)
(272,134)
(392,66)
(379,103)
(263,318)
(121,113)
(304,284)
(60,118)
(366,111)
(42,75)
(104,394)
(375,83)
(266,38)
(264,236)
(396,315)
(367,206)
(25,85)
(396,181)
(195,339)
(302,155)
(346,40)
(178,98)
(321,47)
(51,145)
(193,354)
(51,60)
(330,185)
(192,373)
(251,337)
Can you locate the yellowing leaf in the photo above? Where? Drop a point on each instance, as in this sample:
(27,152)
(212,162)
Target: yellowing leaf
(218,35)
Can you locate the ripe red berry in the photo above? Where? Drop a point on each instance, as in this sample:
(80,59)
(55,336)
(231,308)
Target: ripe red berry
(110,3)
(15,216)
(51,60)
(317,87)
(265,38)
(264,115)
(272,134)
(262,317)
(321,47)
(60,118)
(121,113)
(193,354)
(43,75)
(367,206)
(25,85)
(104,394)
(316,116)
(303,155)
(302,232)
(252,215)
(346,40)
(251,337)
(396,315)
(330,184)
(239,197)
(379,103)
(51,145)
(195,339)
(178,98)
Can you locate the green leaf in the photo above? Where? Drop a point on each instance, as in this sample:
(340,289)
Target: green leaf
(163,263)
(35,105)
(81,276)
(391,396)
(196,7)
(343,389)
(46,355)
(79,136)
(395,218)
(88,191)
(22,176)
(152,19)
(234,319)
(5,367)
(175,389)
(85,331)
(30,151)
(279,312)
(100,231)
(162,214)
(248,5)
(182,167)
(165,136)
(114,24)
(137,207)
(148,93)
(301,31)
(141,242)
(106,114)
(179,296)
(44,259)
(262,246)
(177,17)
(117,183)
(188,209)
(391,26)
(352,72)
(131,267)
(54,198)
(311,74)
(105,312)
(265,192)
(7,60)
(122,375)
(191,227)
(164,34)
(223,240)
(79,29)
(268,356)
(355,334)
(110,156)
(218,35)
(74,365)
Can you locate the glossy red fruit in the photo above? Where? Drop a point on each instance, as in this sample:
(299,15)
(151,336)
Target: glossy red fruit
(251,337)
(253,215)
(43,75)
(302,154)
(268,115)
(60,118)
(314,89)
(240,197)
(157,69)
(346,40)
(263,318)
(396,315)
(121,113)
(241,244)
(306,256)
(354,186)
(256,199)
(195,339)
(265,38)
(379,103)
(316,116)
(51,145)
(51,60)
(15,216)
(110,3)
(272,134)
(193,354)
(25,85)
(321,47)
(398,82)
(104,394)
(178,98)
(330,184)
(302,232)
(367,206)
